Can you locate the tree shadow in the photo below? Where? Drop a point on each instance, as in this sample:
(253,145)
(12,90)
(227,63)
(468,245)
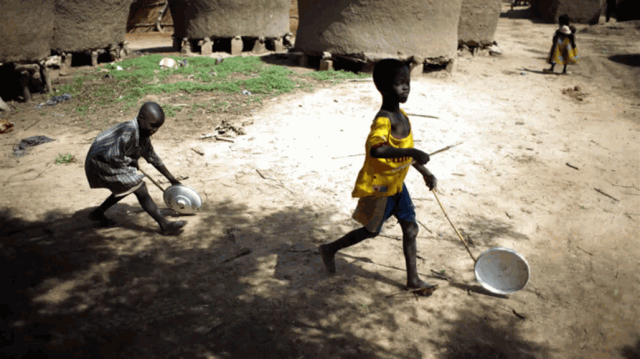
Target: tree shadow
(629,60)
(483,231)
(484,331)
(631,352)
(127,291)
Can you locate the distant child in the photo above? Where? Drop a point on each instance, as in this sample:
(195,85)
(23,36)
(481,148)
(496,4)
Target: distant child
(113,159)
(563,49)
(380,184)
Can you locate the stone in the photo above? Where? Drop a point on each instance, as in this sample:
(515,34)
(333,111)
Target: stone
(66,60)
(94,58)
(278,45)
(326,65)
(416,69)
(236,45)
(186,46)
(452,66)
(260,46)
(206,46)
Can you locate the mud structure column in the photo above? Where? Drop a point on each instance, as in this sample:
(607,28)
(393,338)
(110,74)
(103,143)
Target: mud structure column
(66,60)
(206,46)
(4,106)
(94,58)
(259,47)
(417,66)
(277,44)
(236,45)
(186,46)
(27,72)
(326,63)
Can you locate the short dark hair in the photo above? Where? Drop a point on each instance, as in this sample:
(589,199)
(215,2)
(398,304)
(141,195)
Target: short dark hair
(385,71)
(564,19)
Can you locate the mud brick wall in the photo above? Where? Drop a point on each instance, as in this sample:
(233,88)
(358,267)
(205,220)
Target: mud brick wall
(379,28)
(26,30)
(197,19)
(478,21)
(89,24)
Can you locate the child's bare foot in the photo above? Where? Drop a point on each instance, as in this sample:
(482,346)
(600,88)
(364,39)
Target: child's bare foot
(101,218)
(172,228)
(328,259)
(420,287)
(547,71)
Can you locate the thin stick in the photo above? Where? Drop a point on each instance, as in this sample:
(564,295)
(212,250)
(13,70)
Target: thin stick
(418,115)
(359,154)
(613,198)
(572,166)
(219,138)
(33,124)
(425,227)
(152,180)
(454,227)
(618,185)
(584,251)
(243,252)
(197,151)
(431,154)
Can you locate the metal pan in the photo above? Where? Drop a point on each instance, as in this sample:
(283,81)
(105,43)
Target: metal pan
(180,198)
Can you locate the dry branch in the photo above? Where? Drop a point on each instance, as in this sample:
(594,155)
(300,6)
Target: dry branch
(601,192)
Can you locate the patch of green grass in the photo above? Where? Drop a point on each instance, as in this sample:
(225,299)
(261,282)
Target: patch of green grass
(82,109)
(74,87)
(218,106)
(170,110)
(43,113)
(64,158)
(336,76)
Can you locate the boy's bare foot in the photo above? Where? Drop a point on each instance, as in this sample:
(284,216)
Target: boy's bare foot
(173,228)
(328,259)
(420,287)
(547,71)
(102,219)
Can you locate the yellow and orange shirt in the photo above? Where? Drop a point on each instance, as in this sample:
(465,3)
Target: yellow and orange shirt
(381,177)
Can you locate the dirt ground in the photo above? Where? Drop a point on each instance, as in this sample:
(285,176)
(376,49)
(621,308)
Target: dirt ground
(279,191)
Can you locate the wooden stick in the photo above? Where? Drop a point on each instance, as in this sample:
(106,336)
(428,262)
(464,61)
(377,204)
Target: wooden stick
(219,138)
(613,198)
(425,227)
(454,227)
(584,251)
(152,180)
(31,125)
(431,154)
(572,166)
(197,151)
(418,115)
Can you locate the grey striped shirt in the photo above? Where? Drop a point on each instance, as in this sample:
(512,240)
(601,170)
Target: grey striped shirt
(109,158)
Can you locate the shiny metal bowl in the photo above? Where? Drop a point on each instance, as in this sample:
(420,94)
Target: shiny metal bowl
(502,270)
(182,199)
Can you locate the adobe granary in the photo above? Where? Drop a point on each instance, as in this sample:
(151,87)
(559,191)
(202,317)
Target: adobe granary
(424,32)
(91,28)
(478,22)
(232,25)
(23,46)
(582,11)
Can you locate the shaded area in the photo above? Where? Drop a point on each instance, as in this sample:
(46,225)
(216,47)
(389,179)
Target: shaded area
(631,352)
(483,331)
(629,60)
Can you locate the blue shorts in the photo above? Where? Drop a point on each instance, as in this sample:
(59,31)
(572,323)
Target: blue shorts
(372,212)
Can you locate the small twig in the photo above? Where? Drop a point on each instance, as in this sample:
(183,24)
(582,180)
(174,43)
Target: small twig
(628,215)
(572,166)
(584,251)
(418,115)
(359,154)
(439,275)
(261,175)
(507,213)
(219,138)
(243,252)
(425,227)
(613,198)
(618,185)
(197,151)
(33,124)
(458,174)
(40,174)
(518,314)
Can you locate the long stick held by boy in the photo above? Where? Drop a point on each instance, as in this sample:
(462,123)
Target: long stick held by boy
(112,163)
(380,184)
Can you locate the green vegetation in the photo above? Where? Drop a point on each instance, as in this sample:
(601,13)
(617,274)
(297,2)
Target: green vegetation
(64,158)
(337,76)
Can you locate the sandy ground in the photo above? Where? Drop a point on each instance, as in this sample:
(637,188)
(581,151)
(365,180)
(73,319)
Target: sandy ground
(279,191)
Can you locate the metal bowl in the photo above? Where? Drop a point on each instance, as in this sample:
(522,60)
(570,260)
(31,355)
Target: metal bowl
(182,199)
(502,270)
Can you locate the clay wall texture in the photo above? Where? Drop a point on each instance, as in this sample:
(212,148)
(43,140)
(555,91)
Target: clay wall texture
(89,24)
(478,21)
(582,11)
(26,30)
(228,18)
(178,9)
(379,28)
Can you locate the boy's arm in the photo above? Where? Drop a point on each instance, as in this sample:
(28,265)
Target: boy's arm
(165,172)
(386,151)
(152,157)
(429,178)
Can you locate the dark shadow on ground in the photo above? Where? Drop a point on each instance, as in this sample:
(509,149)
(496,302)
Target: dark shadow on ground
(629,60)
(482,231)
(631,352)
(521,12)
(481,331)
(157,50)
(128,292)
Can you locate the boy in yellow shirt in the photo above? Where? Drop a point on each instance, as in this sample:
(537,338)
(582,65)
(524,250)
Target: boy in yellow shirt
(380,184)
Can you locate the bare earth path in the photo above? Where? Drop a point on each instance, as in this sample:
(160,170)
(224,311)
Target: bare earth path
(128,291)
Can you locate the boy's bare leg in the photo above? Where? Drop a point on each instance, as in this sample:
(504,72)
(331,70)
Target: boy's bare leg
(98,213)
(166,227)
(328,251)
(409,234)
(564,70)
